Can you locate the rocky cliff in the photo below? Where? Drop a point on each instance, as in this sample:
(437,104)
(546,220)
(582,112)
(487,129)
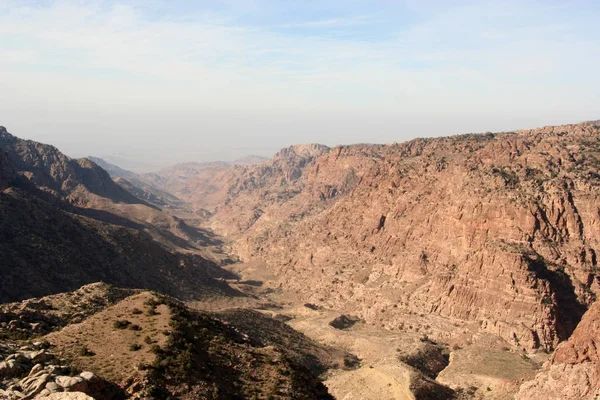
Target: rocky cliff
(499,229)
(573,372)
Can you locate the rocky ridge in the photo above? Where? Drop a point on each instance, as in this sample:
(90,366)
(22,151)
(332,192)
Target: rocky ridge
(497,228)
(164,350)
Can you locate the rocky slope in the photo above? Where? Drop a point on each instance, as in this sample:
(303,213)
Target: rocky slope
(134,184)
(573,372)
(50,170)
(164,351)
(7,173)
(499,229)
(51,241)
(47,250)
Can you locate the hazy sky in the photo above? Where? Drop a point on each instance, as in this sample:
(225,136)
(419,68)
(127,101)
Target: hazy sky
(162,81)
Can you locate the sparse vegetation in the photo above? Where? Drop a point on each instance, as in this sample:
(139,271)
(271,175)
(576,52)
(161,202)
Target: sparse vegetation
(85,352)
(121,324)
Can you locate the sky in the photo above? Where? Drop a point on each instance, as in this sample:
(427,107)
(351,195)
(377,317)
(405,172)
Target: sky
(149,83)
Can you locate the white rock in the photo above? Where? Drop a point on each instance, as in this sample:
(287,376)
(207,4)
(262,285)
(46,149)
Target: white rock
(67,396)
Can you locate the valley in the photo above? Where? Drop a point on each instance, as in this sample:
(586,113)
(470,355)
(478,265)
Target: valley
(462,267)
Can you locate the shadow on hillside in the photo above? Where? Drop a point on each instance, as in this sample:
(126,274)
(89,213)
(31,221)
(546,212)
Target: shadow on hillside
(569,310)
(200,236)
(46,249)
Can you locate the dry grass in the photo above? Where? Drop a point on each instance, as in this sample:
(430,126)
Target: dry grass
(114,358)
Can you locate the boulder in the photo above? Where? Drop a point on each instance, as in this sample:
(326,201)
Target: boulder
(53,387)
(72,383)
(40,356)
(344,322)
(33,386)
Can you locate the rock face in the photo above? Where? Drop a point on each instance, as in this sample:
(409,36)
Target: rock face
(50,170)
(573,372)
(502,229)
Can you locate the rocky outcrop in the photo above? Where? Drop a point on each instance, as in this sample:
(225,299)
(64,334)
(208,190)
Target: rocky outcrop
(573,372)
(501,229)
(31,372)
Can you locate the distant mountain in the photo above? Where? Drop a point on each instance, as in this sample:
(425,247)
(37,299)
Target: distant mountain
(136,185)
(113,170)
(250,160)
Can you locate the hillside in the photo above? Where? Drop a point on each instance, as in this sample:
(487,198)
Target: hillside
(50,170)
(165,350)
(82,187)
(573,372)
(501,229)
(58,232)
(134,184)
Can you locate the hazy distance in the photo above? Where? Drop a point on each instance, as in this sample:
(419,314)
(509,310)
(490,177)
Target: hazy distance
(152,83)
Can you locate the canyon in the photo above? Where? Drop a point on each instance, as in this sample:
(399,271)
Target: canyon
(467,264)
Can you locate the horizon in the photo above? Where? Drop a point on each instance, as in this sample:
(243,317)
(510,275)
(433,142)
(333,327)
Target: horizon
(159,83)
(141,168)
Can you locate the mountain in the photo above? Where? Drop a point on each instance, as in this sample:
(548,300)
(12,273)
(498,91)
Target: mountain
(573,372)
(201,185)
(250,160)
(64,223)
(113,170)
(47,168)
(497,229)
(134,184)
(7,173)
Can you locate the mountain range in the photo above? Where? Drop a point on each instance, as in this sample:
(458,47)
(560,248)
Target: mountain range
(479,250)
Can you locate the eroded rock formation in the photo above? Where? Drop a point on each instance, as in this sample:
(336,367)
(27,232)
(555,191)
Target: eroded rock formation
(573,372)
(502,229)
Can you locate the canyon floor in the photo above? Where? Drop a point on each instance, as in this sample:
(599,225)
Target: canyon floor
(393,365)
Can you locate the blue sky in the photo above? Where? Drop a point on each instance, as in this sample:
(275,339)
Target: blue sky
(156,81)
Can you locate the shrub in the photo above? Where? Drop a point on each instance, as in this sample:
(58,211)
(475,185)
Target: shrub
(135,327)
(85,352)
(136,311)
(155,349)
(121,324)
(134,347)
